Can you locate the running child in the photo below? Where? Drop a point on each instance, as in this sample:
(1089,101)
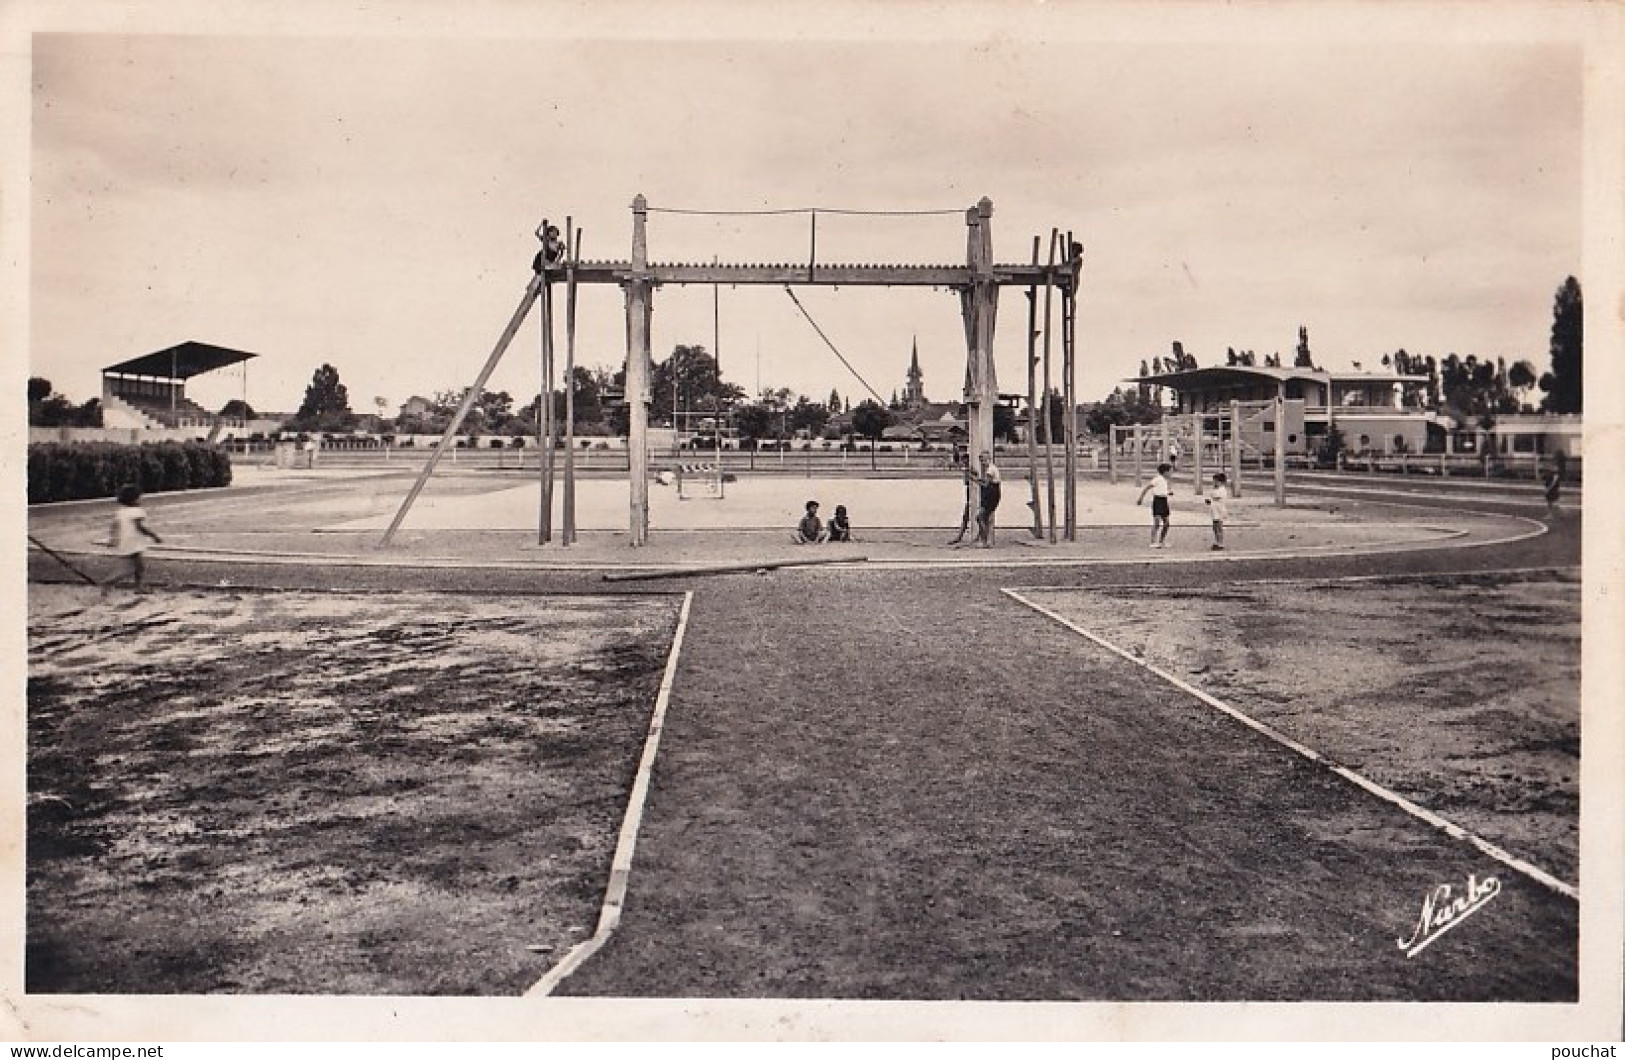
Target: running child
(130,531)
(1217,498)
(1159,489)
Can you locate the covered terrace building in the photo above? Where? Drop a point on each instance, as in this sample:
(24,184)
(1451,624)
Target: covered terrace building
(1376,412)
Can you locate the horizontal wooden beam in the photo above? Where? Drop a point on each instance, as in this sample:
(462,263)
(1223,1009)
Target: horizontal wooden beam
(829,275)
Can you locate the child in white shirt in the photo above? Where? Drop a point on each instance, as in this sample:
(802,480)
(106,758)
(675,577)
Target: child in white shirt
(129,530)
(1217,496)
(1160,489)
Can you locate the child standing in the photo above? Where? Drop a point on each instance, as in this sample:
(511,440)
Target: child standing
(989,487)
(1217,499)
(130,532)
(1159,489)
(1553,481)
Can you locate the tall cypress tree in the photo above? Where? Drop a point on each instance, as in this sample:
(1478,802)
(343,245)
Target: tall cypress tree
(1564,383)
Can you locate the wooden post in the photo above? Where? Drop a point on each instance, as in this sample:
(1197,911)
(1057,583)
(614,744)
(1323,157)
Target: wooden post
(1235,448)
(1196,455)
(1074,253)
(1111,453)
(1280,444)
(1069,398)
(544,421)
(531,290)
(1331,423)
(1032,403)
(1049,433)
(573,241)
(1162,454)
(638,312)
(980,305)
(1139,454)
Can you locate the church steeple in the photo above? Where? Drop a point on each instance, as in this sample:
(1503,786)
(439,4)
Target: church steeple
(914,392)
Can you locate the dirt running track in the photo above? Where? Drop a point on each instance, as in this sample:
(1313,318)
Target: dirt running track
(815,833)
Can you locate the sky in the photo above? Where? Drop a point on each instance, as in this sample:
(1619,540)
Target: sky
(366,195)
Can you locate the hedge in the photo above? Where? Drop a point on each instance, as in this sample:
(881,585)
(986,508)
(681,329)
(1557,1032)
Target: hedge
(67,472)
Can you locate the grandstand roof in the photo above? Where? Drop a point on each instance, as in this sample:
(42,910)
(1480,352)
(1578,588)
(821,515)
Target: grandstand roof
(180,362)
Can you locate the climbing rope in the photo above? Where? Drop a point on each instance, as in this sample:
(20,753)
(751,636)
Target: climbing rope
(831,345)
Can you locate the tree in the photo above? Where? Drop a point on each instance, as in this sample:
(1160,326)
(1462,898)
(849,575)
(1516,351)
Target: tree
(689,381)
(1563,385)
(1120,409)
(1304,358)
(497,405)
(808,416)
(237,409)
(871,420)
(1332,446)
(327,403)
(777,402)
(1004,422)
(753,422)
(1476,390)
(47,408)
(491,413)
(589,401)
(1521,378)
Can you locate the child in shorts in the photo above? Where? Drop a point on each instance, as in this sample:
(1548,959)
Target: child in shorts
(1159,488)
(1217,498)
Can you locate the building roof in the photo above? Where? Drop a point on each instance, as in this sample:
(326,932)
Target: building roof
(180,362)
(1239,375)
(933,412)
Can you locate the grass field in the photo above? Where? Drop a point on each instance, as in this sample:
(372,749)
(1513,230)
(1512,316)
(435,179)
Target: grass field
(1461,694)
(326,793)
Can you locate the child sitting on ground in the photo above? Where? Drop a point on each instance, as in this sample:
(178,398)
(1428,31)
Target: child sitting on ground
(840,528)
(810,531)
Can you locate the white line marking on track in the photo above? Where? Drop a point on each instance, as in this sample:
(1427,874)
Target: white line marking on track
(1450,828)
(1479,572)
(620,872)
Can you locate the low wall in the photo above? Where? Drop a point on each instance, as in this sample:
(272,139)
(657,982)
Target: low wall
(120,435)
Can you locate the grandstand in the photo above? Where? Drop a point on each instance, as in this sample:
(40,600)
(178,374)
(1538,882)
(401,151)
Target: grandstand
(150,391)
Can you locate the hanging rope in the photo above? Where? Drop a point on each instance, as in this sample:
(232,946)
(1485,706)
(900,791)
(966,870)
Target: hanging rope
(810,209)
(831,345)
